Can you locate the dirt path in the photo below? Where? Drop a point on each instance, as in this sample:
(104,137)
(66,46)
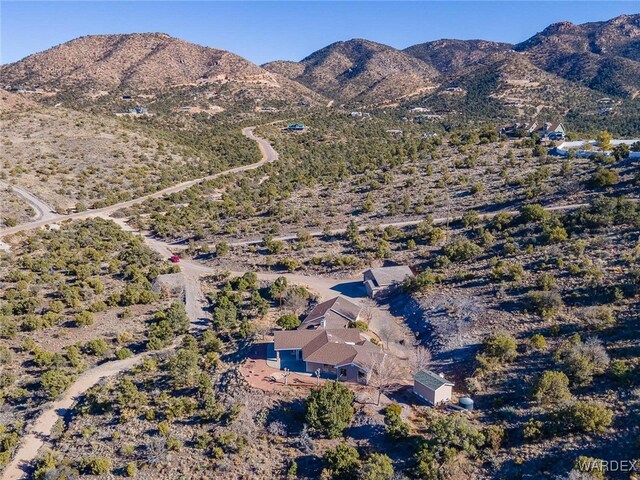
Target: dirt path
(268,155)
(43,211)
(406,223)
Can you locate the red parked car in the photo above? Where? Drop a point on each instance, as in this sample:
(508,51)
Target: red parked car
(174,258)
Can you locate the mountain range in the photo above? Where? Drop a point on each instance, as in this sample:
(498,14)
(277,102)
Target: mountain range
(563,61)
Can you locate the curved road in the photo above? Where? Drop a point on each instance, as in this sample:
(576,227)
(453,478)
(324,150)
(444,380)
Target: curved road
(43,211)
(268,155)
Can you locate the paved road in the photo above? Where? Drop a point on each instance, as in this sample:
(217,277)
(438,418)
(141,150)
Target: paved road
(268,155)
(43,211)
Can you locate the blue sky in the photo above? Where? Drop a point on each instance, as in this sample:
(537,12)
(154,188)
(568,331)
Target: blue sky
(264,31)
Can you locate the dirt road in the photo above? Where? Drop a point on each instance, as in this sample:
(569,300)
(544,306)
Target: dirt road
(406,223)
(43,211)
(268,155)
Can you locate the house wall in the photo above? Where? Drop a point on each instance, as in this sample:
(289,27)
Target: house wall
(443,394)
(312,367)
(351,371)
(424,392)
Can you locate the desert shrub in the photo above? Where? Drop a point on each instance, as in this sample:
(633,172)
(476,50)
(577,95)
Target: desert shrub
(394,426)
(461,249)
(184,368)
(592,466)
(533,429)
(544,303)
(584,416)
(446,437)
(551,387)
(508,271)
(546,282)
(97,347)
(533,213)
(123,353)
(604,178)
(166,325)
(329,409)
(54,382)
(421,281)
(497,350)
(538,342)
(288,321)
(581,360)
(96,465)
(343,462)
(131,469)
(494,435)
(600,317)
(377,466)
(84,319)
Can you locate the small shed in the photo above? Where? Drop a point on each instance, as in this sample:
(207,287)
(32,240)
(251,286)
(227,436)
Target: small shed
(432,387)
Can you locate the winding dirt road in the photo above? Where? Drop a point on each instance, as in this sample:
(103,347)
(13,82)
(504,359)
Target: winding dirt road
(43,211)
(267,152)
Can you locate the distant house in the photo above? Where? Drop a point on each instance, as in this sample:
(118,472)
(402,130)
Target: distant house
(432,387)
(419,109)
(332,314)
(395,132)
(341,352)
(518,129)
(426,116)
(383,279)
(295,127)
(552,131)
(360,114)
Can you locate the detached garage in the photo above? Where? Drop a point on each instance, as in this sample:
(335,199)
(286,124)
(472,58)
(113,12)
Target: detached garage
(432,387)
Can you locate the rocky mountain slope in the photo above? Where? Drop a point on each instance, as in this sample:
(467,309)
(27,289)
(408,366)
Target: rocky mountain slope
(360,70)
(147,61)
(604,56)
(452,56)
(601,56)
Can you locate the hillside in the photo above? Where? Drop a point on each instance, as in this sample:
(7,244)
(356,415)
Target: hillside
(604,56)
(507,85)
(360,70)
(452,56)
(73,159)
(100,64)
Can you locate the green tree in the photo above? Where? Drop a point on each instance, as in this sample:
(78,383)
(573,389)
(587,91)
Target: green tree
(551,387)
(343,461)
(54,382)
(394,426)
(604,140)
(498,349)
(377,466)
(288,321)
(329,409)
(184,368)
(604,178)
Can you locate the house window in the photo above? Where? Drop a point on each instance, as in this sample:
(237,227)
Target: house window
(361,375)
(343,372)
